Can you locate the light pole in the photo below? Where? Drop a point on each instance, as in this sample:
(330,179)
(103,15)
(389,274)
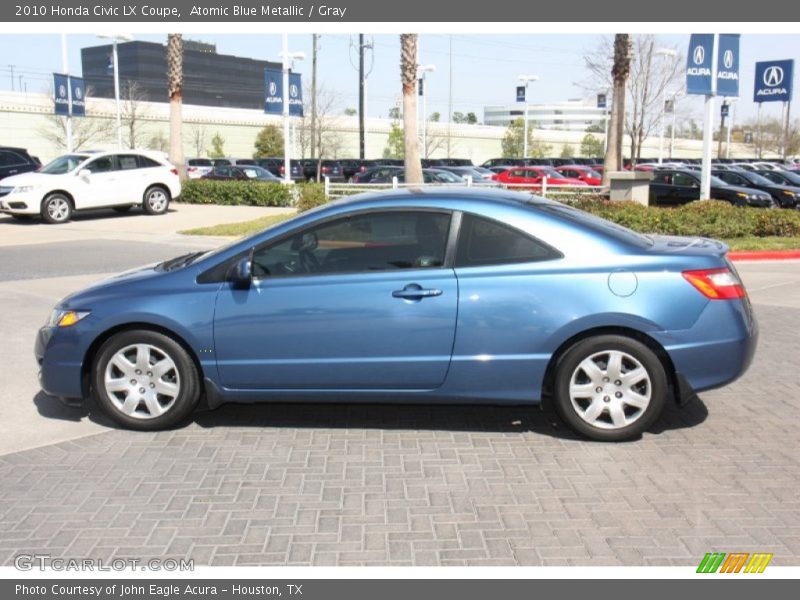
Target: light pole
(672,53)
(421,70)
(288,59)
(731,101)
(526,79)
(672,128)
(117,37)
(65,68)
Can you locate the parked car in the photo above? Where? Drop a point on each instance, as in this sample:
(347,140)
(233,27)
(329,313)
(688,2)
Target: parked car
(672,187)
(83,181)
(271,164)
(428,176)
(296,170)
(197,167)
(242,173)
(478,174)
(351,166)
(790,178)
(500,162)
(327,168)
(581,172)
(374,298)
(534,176)
(379,172)
(783,196)
(15,161)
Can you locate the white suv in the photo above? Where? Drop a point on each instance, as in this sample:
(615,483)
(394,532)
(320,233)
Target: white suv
(87,180)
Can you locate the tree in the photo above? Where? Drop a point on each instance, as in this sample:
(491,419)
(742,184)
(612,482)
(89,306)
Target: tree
(433,141)
(133,112)
(459,117)
(321,132)
(512,143)
(471,118)
(566,151)
(435,117)
(86,131)
(595,128)
(175,91)
(159,142)
(217,146)
(772,136)
(619,73)
(269,142)
(394,143)
(408,78)
(350,112)
(198,136)
(651,73)
(394,113)
(591,146)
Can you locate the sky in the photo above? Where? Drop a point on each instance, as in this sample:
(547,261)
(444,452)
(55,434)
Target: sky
(485,68)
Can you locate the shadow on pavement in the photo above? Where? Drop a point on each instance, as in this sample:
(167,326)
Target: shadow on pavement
(451,417)
(90,215)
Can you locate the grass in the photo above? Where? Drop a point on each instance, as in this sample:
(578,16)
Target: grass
(241,228)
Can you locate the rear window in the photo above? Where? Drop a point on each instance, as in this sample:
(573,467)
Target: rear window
(200,162)
(485,242)
(589,221)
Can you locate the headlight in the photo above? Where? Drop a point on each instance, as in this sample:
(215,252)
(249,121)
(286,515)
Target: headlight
(21,189)
(741,195)
(788,193)
(66,318)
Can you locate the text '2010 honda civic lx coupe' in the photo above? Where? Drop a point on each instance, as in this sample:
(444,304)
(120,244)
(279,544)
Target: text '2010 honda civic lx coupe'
(416,296)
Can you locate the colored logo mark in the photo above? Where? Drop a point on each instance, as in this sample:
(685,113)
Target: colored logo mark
(734,562)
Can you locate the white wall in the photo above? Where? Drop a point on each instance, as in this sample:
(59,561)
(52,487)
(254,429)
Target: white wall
(24,118)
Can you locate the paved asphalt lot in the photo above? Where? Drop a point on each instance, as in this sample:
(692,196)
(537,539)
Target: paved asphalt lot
(282,484)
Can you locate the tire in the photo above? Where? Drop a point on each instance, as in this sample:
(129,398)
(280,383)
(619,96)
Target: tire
(130,389)
(156,200)
(621,410)
(122,209)
(56,208)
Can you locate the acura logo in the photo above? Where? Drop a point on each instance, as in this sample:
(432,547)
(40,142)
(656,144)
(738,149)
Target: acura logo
(727,59)
(293,91)
(78,93)
(62,91)
(699,55)
(273,88)
(773,76)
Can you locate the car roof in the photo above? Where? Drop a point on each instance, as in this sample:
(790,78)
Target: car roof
(483,196)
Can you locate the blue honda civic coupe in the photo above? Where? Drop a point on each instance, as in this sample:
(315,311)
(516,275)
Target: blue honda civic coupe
(417,296)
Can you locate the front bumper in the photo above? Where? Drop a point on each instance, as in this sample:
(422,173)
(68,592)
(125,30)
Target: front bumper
(59,372)
(24,203)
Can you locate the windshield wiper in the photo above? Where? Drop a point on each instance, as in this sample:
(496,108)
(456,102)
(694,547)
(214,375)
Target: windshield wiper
(179,261)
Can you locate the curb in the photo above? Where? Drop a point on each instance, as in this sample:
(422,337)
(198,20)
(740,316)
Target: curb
(765,255)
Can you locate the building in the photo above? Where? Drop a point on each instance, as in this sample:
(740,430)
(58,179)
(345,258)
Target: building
(209,79)
(572,115)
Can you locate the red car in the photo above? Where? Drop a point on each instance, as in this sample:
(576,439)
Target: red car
(533,175)
(587,175)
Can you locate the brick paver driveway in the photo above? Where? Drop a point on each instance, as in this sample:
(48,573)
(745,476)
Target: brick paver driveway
(427,486)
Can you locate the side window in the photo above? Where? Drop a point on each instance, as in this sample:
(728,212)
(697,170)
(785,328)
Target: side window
(127,162)
(683,180)
(147,163)
(662,177)
(383,241)
(104,164)
(11,159)
(485,242)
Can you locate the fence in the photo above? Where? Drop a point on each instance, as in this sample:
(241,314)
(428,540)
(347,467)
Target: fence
(340,190)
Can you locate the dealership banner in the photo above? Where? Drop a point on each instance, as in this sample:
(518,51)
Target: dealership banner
(699,63)
(78,107)
(61,94)
(728,65)
(273,93)
(69,95)
(774,81)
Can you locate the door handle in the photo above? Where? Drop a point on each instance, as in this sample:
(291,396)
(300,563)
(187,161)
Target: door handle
(415,292)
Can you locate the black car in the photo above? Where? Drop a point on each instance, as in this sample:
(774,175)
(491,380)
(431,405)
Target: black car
(785,196)
(241,173)
(379,172)
(673,187)
(428,176)
(14,161)
(327,168)
(351,166)
(271,164)
(791,178)
(502,162)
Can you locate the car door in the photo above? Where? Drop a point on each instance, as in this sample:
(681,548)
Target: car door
(100,186)
(363,301)
(733,178)
(685,188)
(132,179)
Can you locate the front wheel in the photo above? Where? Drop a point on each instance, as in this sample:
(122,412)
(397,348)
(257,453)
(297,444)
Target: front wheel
(56,208)
(156,200)
(145,380)
(610,388)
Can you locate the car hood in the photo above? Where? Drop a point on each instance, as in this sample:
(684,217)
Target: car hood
(739,190)
(23,179)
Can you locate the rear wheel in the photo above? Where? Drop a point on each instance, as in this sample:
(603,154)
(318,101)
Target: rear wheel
(56,208)
(156,200)
(145,380)
(610,388)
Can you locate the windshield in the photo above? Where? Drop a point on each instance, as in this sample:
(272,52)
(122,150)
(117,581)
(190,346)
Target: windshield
(593,174)
(63,164)
(717,181)
(755,178)
(253,172)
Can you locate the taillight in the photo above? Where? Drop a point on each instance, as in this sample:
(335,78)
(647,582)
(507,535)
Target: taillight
(326,169)
(716,284)
(281,169)
(174,171)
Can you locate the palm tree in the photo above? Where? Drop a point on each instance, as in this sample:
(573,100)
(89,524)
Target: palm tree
(175,90)
(408,76)
(620,72)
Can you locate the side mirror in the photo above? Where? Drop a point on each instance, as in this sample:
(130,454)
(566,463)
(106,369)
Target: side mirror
(241,274)
(84,174)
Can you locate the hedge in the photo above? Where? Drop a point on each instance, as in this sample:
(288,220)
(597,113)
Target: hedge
(710,218)
(251,193)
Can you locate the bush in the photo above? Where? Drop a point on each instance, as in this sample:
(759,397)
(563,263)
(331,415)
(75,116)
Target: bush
(712,218)
(310,195)
(246,193)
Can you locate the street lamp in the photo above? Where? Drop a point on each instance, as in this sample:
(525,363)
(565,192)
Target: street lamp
(730,101)
(526,79)
(288,59)
(672,53)
(421,70)
(117,37)
(674,96)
